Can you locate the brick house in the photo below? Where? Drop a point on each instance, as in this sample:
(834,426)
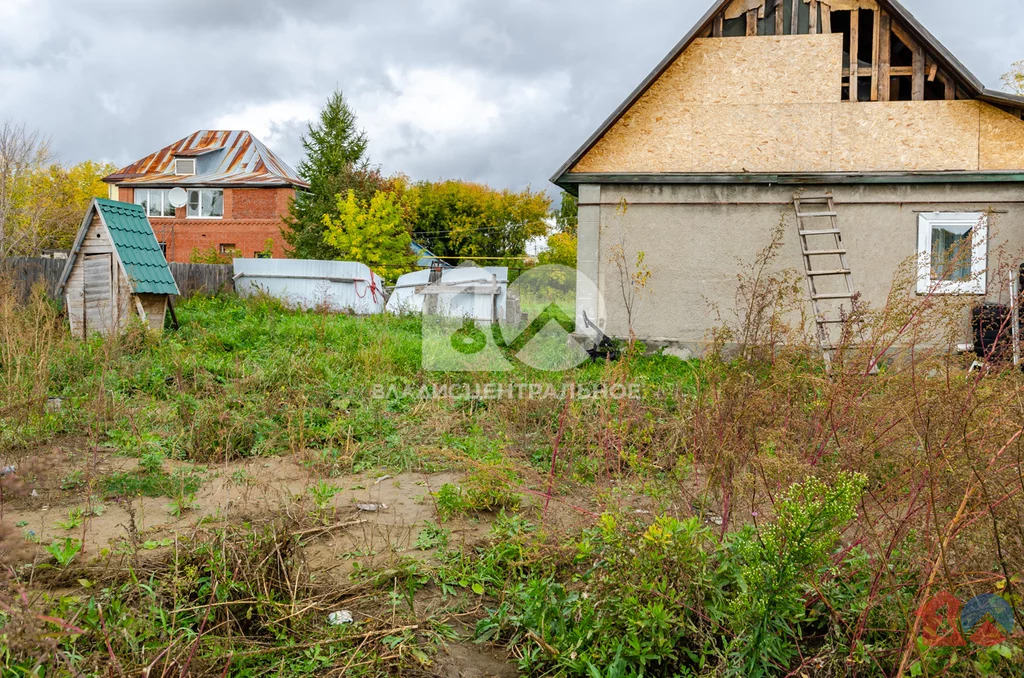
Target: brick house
(236,191)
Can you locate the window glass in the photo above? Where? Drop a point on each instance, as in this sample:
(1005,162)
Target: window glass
(951,252)
(206,203)
(168,209)
(142,198)
(193,203)
(156,202)
(213,203)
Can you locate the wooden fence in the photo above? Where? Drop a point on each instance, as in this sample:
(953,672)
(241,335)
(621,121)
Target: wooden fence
(26,272)
(203,278)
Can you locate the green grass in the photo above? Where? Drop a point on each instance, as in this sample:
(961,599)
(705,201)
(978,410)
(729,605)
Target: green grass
(139,483)
(249,378)
(659,584)
(245,378)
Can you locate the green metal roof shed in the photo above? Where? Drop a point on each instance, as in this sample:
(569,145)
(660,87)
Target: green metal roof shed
(115,271)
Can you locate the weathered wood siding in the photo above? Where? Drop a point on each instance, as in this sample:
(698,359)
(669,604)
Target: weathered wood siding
(97,294)
(24,273)
(84,295)
(155,307)
(195,279)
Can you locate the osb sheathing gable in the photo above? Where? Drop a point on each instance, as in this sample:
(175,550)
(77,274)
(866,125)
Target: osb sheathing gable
(755,105)
(1002,140)
(905,135)
(735,71)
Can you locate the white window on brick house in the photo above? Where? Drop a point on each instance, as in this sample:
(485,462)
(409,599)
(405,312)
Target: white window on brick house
(228,248)
(163,248)
(154,201)
(953,253)
(205,203)
(185,166)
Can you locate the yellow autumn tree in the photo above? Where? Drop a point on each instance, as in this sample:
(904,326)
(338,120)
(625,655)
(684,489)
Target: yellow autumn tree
(373,233)
(1014,79)
(41,202)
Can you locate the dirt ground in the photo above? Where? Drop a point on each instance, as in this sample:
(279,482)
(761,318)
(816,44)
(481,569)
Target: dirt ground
(371,520)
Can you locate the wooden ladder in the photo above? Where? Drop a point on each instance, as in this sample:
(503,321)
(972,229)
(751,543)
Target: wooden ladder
(824,262)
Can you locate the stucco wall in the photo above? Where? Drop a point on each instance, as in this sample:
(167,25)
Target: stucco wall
(695,236)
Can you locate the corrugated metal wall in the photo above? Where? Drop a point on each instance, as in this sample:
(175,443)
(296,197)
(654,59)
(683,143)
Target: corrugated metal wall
(337,285)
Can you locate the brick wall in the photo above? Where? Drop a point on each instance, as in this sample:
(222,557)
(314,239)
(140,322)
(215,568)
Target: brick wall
(251,217)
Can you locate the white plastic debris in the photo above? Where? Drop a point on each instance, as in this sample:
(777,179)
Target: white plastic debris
(371,508)
(7,470)
(408,294)
(340,618)
(380,480)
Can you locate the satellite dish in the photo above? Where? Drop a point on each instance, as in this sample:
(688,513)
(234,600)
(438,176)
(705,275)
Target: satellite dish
(177,197)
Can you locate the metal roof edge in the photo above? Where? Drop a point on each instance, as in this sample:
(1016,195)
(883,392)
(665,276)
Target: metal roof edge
(575,179)
(283,183)
(994,96)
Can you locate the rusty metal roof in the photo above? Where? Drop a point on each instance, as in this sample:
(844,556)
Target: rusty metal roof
(223,158)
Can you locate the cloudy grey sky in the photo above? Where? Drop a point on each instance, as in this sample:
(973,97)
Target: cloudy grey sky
(498,91)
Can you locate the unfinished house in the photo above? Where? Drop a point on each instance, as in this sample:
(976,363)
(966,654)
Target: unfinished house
(845,121)
(115,272)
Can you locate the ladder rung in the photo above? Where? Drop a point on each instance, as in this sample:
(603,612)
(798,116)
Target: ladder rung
(809,215)
(812,252)
(822,321)
(844,295)
(827,231)
(810,197)
(838,271)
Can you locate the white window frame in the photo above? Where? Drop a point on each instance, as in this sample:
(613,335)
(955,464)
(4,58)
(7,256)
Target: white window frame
(185,174)
(188,199)
(978,221)
(149,202)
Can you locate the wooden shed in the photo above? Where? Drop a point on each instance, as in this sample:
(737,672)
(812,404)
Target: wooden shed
(115,271)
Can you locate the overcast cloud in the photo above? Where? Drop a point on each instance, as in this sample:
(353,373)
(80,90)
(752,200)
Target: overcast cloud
(498,91)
